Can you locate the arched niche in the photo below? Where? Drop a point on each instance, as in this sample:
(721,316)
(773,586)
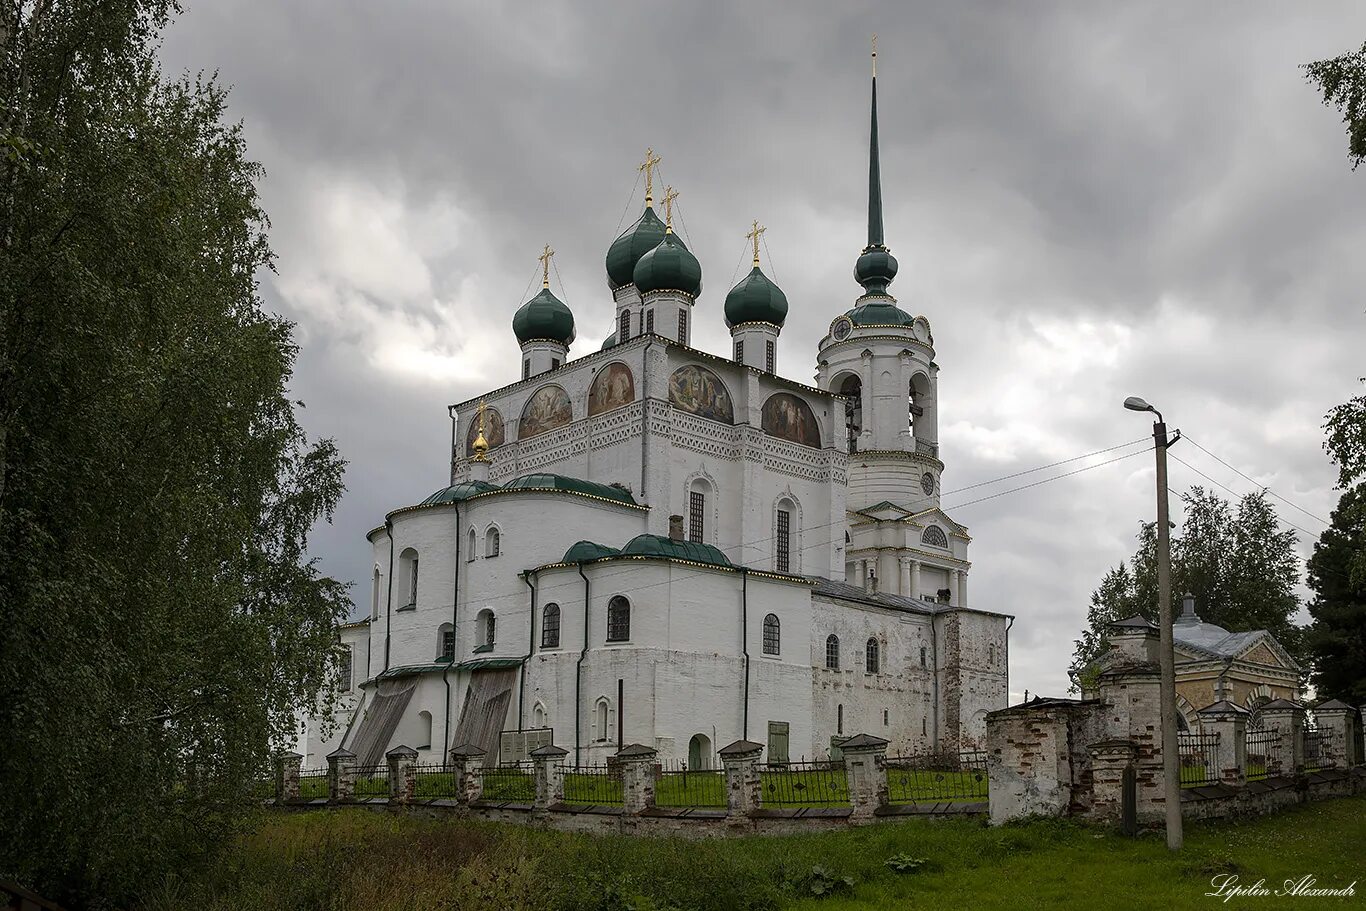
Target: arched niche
(613,387)
(494,433)
(698,391)
(547,409)
(789,417)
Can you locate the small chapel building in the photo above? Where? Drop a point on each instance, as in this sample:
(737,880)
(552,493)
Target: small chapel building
(661,545)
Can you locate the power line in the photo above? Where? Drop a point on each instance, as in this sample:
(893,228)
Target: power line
(627,207)
(1312,535)
(1018,474)
(1262,486)
(1066,474)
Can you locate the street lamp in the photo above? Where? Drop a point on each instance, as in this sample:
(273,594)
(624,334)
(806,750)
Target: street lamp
(1166,655)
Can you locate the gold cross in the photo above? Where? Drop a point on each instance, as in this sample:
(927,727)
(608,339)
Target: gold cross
(874,55)
(648,166)
(670,194)
(545,276)
(753,235)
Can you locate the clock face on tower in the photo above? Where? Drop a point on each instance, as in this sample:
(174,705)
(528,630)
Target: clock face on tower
(841,327)
(927,483)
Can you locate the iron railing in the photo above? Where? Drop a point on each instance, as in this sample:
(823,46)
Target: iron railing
(434,780)
(678,786)
(804,784)
(1314,752)
(513,782)
(937,777)
(313,784)
(595,785)
(1199,754)
(1263,753)
(372,781)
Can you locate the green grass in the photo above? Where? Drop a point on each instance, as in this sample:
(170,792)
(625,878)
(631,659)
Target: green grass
(311,786)
(349,860)
(691,789)
(928,786)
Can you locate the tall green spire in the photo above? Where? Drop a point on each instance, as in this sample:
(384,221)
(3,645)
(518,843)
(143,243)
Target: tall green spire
(876,268)
(874,175)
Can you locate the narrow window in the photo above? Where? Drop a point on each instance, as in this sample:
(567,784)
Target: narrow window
(447,642)
(554,363)
(784,540)
(602,719)
(412,590)
(922,727)
(991,655)
(649,321)
(839,719)
(683,327)
(922,656)
(832,652)
(870,657)
(885,716)
(624,330)
(772,635)
(550,626)
(526,368)
(374,594)
(474,546)
(618,619)
(424,736)
(770,355)
(697,506)
(344,671)
(491,543)
(485,630)
(739,351)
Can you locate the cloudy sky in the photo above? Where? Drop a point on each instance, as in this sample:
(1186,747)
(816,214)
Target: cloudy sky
(1088,201)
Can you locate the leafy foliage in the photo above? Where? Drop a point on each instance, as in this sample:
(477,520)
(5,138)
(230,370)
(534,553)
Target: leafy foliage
(1342,82)
(162,621)
(1239,564)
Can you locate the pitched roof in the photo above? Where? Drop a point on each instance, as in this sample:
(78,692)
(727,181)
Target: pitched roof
(661,546)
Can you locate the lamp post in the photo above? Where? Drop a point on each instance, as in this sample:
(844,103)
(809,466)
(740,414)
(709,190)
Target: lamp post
(1166,656)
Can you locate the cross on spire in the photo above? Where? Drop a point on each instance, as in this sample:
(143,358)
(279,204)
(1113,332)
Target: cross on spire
(545,283)
(874,55)
(648,166)
(755,230)
(670,194)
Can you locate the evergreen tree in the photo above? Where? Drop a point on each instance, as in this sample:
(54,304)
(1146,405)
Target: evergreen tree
(160,621)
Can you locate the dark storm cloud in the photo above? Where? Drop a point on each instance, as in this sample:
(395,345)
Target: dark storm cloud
(1088,201)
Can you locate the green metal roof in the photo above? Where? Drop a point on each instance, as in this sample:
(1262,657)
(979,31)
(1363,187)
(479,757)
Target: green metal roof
(583,551)
(544,316)
(458,492)
(670,266)
(627,249)
(609,342)
(541,481)
(756,300)
(488,664)
(660,546)
(880,312)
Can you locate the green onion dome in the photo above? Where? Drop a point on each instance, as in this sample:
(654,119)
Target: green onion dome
(670,266)
(875,269)
(880,312)
(544,317)
(626,250)
(609,342)
(756,300)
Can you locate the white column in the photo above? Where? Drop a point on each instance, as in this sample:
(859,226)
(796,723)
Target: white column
(915,580)
(905,565)
(963,587)
(866,394)
(953,587)
(861,573)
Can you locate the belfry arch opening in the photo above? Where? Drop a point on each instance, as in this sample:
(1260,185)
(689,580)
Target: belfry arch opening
(852,388)
(917,398)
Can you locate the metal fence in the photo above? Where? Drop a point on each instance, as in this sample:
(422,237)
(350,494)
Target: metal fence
(1314,753)
(372,781)
(937,777)
(513,782)
(597,785)
(434,780)
(313,784)
(678,786)
(804,784)
(1263,752)
(1199,755)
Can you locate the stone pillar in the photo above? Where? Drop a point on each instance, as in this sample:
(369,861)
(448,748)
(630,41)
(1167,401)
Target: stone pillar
(1288,719)
(341,775)
(637,765)
(963,588)
(469,784)
(744,792)
(1131,691)
(904,565)
(865,767)
(549,762)
(402,773)
(953,588)
(287,776)
(1229,722)
(915,580)
(1337,722)
(1109,761)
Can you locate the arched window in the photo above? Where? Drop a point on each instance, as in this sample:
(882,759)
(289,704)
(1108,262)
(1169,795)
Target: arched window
(923,658)
(491,542)
(485,628)
(424,730)
(772,635)
(538,715)
(934,536)
(550,626)
(602,717)
(374,594)
(407,564)
(624,327)
(839,718)
(618,619)
(852,387)
(344,669)
(870,657)
(445,642)
(474,546)
(782,539)
(832,652)
(698,496)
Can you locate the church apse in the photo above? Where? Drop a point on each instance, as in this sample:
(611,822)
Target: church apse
(494,432)
(612,388)
(698,391)
(790,418)
(547,409)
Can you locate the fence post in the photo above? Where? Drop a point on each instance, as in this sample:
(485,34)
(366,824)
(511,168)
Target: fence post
(744,793)
(637,765)
(1112,761)
(549,761)
(1229,722)
(287,776)
(402,773)
(341,775)
(865,767)
(1288,719)
(469,784)
(1335,720)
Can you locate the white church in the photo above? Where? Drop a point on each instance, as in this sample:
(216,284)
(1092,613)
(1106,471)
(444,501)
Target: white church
(656,544)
